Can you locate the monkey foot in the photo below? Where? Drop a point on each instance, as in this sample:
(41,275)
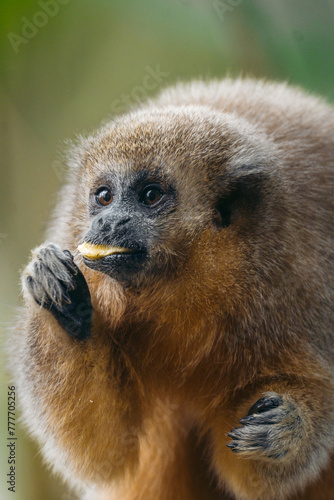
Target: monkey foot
(271,429)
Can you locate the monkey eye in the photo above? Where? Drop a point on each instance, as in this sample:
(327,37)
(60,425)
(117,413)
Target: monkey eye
(152,195)
(103,196)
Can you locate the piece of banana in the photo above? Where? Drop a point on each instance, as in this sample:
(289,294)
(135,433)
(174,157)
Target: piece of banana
(95,252)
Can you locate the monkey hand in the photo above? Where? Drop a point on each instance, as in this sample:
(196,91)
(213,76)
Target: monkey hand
(272,429)
(56,283)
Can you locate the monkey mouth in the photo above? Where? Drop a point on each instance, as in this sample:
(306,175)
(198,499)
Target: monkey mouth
(119,262)
(91,251)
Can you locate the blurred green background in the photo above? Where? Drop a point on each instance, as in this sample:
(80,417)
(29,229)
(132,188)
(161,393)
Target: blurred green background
(66,65)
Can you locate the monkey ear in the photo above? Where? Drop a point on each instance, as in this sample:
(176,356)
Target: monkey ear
(242,188)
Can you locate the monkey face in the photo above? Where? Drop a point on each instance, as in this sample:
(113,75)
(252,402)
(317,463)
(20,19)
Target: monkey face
(129,215)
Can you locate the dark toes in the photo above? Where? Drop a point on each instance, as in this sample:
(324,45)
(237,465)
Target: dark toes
(233,446)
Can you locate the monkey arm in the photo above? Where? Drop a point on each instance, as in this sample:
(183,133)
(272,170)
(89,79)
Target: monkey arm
(279,442)
(80,397)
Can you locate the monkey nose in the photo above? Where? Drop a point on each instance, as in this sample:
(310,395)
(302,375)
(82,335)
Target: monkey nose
(107,224)
(104,225)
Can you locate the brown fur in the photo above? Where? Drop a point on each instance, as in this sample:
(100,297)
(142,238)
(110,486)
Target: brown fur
(142,409)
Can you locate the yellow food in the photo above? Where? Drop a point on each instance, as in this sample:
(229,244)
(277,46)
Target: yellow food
(95,252)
